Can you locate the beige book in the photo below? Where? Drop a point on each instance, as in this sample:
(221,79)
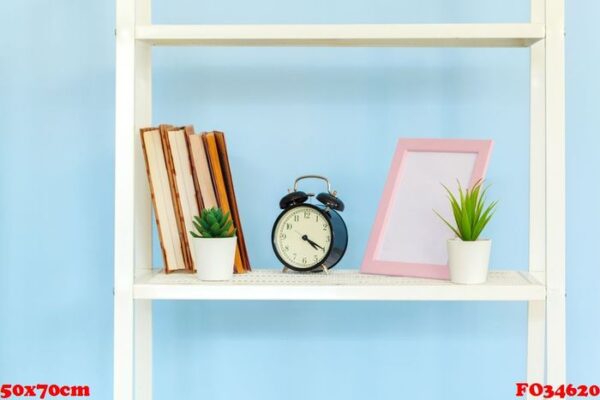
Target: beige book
(164,210)
(184,181)
(202,178)
(176,196)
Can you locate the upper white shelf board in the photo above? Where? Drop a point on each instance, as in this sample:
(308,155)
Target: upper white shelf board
(264,284)
(380,35)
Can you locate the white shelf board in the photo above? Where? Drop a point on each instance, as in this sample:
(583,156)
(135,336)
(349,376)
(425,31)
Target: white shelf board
(265,284)
(381,35)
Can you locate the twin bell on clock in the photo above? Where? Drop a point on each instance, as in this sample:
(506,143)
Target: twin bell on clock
(310,237)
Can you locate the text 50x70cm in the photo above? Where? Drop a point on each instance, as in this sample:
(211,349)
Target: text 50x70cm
(43,390)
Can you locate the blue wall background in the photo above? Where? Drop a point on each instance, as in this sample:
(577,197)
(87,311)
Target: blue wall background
(286,112)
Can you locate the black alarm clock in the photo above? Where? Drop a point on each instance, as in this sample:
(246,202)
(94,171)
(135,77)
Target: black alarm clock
(310,237)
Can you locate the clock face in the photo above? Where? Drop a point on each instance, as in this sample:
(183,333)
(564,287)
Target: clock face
(302,237)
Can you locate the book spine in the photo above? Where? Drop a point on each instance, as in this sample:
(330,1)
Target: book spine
(189,133)
(153,198)
(220,189)
(228,178)
(185,248)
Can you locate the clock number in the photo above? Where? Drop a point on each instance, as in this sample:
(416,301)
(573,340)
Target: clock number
(294,255)
(286,247)
(304,260)
(315,258)
(327,239)
(306,214)
(282,236)
(288,226)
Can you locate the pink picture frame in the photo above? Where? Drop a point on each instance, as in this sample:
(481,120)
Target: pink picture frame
(408,238)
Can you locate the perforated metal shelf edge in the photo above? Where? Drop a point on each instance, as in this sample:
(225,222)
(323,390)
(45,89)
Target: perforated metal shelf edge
(270,284)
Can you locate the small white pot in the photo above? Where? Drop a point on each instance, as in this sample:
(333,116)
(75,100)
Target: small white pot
(214,258)
(469,261)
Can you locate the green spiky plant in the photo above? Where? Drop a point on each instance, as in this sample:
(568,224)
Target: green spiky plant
(212,223)
(470,212)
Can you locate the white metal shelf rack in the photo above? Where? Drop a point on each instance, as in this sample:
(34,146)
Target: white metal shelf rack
(543,286)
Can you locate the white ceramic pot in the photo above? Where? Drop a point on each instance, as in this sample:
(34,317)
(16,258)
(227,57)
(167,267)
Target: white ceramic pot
(214,258)
(469,261)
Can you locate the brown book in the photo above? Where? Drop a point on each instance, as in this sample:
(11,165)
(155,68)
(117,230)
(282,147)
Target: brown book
(224,159)
(160,190)
(205,191)
(176,196)
(212,152)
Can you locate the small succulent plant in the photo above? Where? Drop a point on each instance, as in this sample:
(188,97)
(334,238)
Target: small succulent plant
(212,223)
(470,212)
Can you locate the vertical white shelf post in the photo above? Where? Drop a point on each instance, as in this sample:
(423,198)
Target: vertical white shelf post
(133,234)
(555,194)
(143,208)
(536,323)
(124,200)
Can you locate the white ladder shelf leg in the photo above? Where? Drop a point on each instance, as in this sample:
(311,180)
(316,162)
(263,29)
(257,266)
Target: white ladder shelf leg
(555,194)
(133,233)
(536,311)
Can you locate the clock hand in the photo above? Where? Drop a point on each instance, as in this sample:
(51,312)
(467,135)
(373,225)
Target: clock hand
(313,244)
(306,239)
